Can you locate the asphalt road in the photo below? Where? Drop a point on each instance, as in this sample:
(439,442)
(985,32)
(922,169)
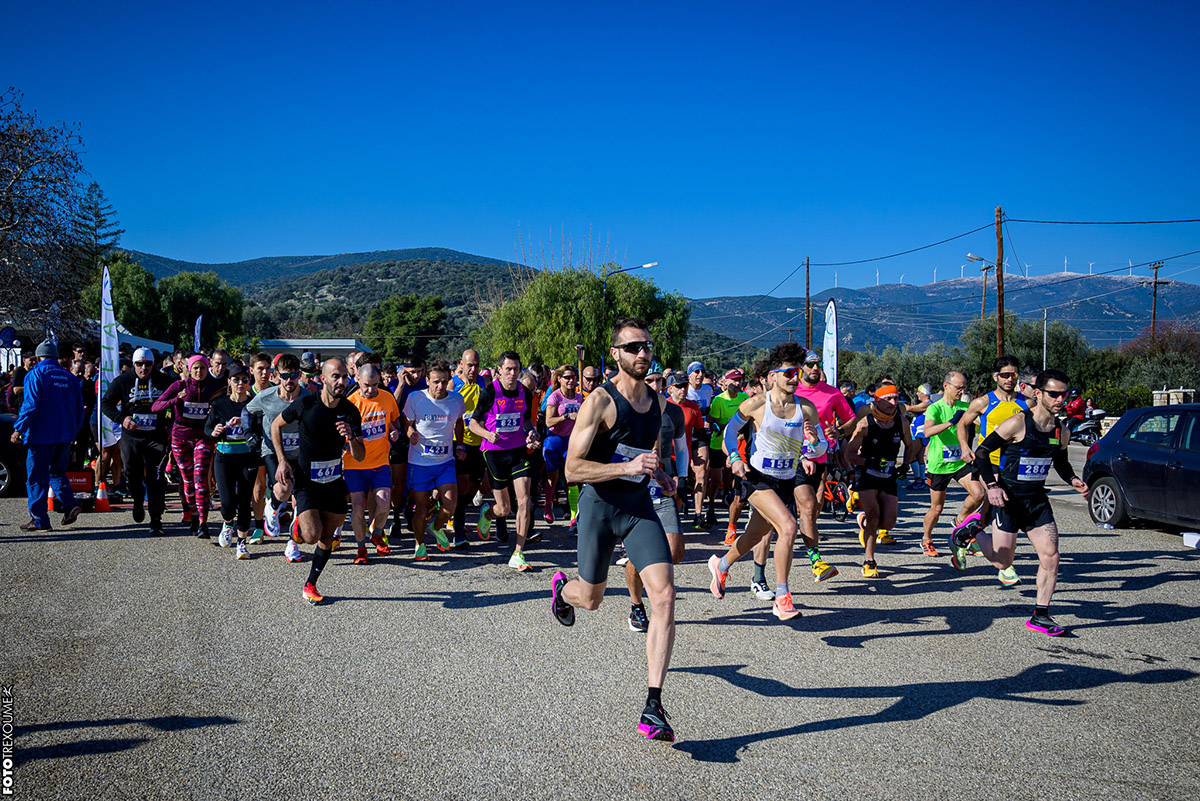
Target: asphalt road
(167,669)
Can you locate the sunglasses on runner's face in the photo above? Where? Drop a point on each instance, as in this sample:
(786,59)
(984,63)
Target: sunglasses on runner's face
(568,376)
(1007,375)
(812,364)
(241,379)
(1055,394)
(288,376)
(634,348)
(591,378)
(787,372)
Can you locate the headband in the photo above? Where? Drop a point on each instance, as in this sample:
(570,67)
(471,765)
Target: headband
(887,390)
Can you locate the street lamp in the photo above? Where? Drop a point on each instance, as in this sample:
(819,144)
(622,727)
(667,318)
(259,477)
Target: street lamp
(604,296)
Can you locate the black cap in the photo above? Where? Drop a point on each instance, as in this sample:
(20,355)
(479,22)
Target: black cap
(308,364)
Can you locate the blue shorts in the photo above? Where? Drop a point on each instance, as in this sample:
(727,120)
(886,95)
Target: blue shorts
(426,478)
(554,452)
(368,480)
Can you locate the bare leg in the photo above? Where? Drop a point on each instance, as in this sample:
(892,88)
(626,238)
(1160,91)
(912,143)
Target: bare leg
(1045,542)
(660,639)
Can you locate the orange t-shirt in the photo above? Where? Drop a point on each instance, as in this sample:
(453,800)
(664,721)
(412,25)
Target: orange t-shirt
(379,415)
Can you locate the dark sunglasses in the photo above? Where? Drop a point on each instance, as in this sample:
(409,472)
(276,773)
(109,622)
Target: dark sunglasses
(591,378)
(1053,394)
(789,372)
(567,375)
(1007,375)
(634,348)
(241,379)
(288,376)
(812,364)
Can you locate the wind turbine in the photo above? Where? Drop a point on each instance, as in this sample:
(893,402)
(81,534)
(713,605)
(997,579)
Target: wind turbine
(876,276)
(1131,266)
(902,277)
(1064,264)
(935,274)
(1090,263)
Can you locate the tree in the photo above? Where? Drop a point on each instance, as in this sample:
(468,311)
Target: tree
(404,324)
(40,195)
(96,228)
(187,295)
(558,309)
(1067,349)
(135,299)
(1170,358)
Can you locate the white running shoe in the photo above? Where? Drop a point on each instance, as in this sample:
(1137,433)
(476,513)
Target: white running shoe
(271,520)
(762,591)
(477,501)
(242,553)
(225,538)
(292,552)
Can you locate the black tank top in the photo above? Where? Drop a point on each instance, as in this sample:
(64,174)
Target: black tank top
(880,448)
(633,433)
(1025,465)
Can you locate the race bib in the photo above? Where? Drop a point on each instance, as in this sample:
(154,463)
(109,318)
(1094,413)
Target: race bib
(625,453)
(435,450)
(235,433)
(570,408)
(881,469)
(656,492)
(951,454)
(325,472)
(1033,468)
(783,467)
(291,442)
(145,422)
(467,419)
(508,423)
(375,429)
(195,411)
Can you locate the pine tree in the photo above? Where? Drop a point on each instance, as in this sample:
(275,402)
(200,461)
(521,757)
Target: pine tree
(96,228)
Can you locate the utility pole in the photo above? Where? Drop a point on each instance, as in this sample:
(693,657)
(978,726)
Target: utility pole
(999,284)
(985,269)
(790,330)
(807,306)
(1154,304)
(1043,339)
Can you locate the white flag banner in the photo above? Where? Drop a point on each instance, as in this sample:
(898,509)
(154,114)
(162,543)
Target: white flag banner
(110,432)
(829,345)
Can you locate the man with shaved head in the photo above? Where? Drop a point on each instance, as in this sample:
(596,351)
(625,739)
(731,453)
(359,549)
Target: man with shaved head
(470,469)
(370,479)
(944,458)
(327,424)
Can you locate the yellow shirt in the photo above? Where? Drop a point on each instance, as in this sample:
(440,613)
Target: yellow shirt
(470,396)
(996,413)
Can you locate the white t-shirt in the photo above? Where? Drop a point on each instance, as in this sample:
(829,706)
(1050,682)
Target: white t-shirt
(703,396)
(435,421)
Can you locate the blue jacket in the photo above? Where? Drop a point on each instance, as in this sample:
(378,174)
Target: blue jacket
(51,405)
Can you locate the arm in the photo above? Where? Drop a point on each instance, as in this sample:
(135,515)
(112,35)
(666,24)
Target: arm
(110,403)
(214,426)
(1006,432)
(812,431)
(553,418)
(166,400)
(29,405)
(284,472)
(932,429)
(965,423)
(579,469)
(854,449)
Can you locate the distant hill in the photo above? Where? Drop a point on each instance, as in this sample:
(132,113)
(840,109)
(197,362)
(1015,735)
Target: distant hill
(242,273)
(1108,309)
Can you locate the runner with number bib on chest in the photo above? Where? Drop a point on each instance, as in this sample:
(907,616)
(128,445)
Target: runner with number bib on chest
(874,446)
(434,420)
(613,451)
(328,424)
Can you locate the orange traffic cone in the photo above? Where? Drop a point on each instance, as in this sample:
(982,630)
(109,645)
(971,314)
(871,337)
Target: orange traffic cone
(50,497)
(102,498)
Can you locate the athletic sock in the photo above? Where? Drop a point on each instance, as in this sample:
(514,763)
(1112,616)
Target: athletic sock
(573,499)
(654,694)
(501,527)
(460,520)
(781,588)
(258,524)
(814,555)
(724,566)
(1041,611)
(320,557)
(760,572)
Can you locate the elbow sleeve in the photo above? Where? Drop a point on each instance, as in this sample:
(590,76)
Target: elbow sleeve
(731,432)
(682,457)
(816,451)
(1062,466)
(983,457)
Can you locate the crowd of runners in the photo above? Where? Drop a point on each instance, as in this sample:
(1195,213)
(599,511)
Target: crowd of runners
(398,456)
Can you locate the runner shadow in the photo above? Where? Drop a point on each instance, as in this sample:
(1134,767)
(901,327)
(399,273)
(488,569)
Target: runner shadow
(95,746)
(913,701)
(471,599)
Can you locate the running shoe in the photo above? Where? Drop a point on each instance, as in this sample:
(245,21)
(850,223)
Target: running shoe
(965,531)
(927,547)
(710,520)
(443,543)
(1045,624)
(421,553)
(698,522)
(242,553)
(563,612)
(574,527)
(823,570)
(450,525)
(870,570)
(884,538)
(292,552)
(973,548)
(517,562)
(256,536)
(337,539)
(549,515)
(380,543)
(193,526)
(637,618)
(958,552)
(718,581)
(862,529)
(72,514)
(139,510)
(360,557)
(271,519)
(731,534)
(311,595)
(296,538)
(783,607)
(202,533)
(916,483)
(762,590)
(478,499)
(225,538)
(654,723)
(1008,577)
(156,530)
(534,536)
(484,526)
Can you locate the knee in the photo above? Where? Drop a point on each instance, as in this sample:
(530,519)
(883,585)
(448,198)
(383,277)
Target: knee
(1049,561)
(662,597)
(787,532)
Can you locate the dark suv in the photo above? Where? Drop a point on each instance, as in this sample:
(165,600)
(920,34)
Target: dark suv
(1147,466)
(12,459)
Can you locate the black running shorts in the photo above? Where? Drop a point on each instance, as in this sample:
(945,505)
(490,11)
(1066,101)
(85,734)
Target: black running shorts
(1023,512)
(618,516)
(814,481)
(938,482)
(757,482)
(472,466)
(866,481)
(504,466)
(330,498)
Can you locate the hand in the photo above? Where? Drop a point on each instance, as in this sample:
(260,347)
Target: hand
(668,485)
(831,432)
(1079,486)
(808,467)
(393,434)
(810,432)
(218,430)
(16,438)
(460,453)
(233,421)
(283,473)
(491,436)
(902,470)
(997,496)
(531,439)
(128,424)
(414,438)
(644,464)
(968,456)
(739,468)
(572,415)
(344,429)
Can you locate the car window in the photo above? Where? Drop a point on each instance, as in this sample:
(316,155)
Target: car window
(1189,437)
(1156,428)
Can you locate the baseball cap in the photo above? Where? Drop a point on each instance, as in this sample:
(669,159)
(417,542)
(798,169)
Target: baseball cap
(675,380)
(655,368)
(308,364)
(235,368)
(309,356)
(735,375)
(693,367)
(143,355)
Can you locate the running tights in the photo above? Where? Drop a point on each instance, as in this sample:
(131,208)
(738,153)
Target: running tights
(193,455)
(235,474)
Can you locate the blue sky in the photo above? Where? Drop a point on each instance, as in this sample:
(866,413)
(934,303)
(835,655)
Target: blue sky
(725,141)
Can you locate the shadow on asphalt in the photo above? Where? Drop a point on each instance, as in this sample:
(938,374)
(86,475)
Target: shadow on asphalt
(109,746)
(913,701)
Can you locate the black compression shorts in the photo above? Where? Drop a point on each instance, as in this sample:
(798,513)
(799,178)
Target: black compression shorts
(618,516)
(1023,512)
(504,466)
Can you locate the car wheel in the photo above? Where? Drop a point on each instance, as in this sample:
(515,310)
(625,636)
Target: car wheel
(8,478)
(1106,503)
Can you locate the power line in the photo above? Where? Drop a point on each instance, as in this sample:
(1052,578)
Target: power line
(1101,222)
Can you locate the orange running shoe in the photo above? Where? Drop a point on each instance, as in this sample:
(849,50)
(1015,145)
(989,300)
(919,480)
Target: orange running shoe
(381,546)
(360,558)
(927,547)
(731,534)
(311,595)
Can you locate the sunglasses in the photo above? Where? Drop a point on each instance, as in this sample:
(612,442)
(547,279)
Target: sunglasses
(568,376)
(812,364)
(634,348)
(591,378)
(288,376)
(1055,395)
(1007,375)
(241,379)
(787,372)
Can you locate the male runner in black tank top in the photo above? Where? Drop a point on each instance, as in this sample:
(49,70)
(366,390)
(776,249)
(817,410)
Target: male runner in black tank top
(613,450)
(1029,444)
(873,447)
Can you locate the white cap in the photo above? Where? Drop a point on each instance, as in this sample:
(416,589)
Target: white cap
(143,355)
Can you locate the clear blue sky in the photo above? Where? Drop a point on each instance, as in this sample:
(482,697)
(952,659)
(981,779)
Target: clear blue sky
(725,141)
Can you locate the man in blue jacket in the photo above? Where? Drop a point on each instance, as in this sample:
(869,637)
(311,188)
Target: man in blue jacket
(51,415)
